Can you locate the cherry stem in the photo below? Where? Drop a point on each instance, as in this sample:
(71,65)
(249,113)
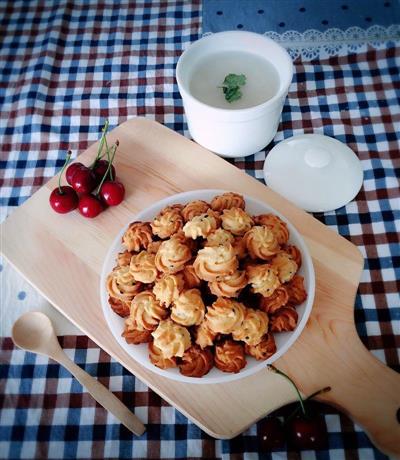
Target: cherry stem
(277,371)
(107,148)
(114,149)
(62,170)
(103,141)
(312,395)
(109,160)
(319,392)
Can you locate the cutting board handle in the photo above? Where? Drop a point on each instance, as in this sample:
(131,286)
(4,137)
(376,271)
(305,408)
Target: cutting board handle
(369,392)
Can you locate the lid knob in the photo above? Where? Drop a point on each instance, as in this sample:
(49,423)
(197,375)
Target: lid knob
(317,157)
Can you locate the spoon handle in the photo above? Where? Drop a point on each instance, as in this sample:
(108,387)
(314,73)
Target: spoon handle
(103,396)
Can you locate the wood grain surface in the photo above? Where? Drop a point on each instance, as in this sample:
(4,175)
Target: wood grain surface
(62,256)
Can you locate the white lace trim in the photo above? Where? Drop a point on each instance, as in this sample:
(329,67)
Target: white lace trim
(313,44)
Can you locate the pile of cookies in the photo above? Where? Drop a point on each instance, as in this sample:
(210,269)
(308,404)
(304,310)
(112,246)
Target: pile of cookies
(206,284)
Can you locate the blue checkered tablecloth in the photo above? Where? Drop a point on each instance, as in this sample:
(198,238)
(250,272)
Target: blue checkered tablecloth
(68,65)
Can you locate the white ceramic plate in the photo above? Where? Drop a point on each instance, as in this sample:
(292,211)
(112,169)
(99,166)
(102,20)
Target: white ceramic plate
(284,340)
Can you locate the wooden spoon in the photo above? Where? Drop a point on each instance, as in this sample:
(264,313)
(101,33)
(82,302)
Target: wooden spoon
(34,332)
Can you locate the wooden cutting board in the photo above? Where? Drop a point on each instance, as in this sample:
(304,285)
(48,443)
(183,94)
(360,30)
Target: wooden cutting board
(62,256)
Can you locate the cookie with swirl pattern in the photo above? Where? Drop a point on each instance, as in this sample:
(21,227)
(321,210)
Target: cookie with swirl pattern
(225,315)
(285,266)
(295,253)
(276,225)
(134,336)
(228,200)
(171,338)
(296,290)
(229,285)
(214,262)
(138,236)
(194,208)
(205,337)
(229,356)
(158,359)
(196,362)
(168,288)
(262,350)
(236,221)
(172,255)
(143,267)
(263,278)
(253,327)
(146,312)
(261,243)
(188,309)
(122,287)
(124,258)
(284,320)
(202,225)
(168,221)
(274,302)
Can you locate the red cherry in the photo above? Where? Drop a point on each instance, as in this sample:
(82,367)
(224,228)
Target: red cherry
(307,433)
(101,168)
(271,434)
(112,192)
(71,171)
(90,206)
(64,200)
(83,180)
(307,430)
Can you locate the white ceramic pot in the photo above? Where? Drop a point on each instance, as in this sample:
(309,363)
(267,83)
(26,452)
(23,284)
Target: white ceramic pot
(239,132)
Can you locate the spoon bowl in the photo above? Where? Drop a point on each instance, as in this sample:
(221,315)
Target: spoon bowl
(34,332)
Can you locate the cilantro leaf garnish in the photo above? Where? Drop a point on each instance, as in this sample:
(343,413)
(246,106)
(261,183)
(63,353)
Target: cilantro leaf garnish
(231,86)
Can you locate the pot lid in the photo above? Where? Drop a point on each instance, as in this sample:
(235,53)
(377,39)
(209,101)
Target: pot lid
(315,172)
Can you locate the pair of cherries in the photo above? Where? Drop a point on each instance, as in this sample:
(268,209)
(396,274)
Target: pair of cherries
(304,429)
(85,180)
